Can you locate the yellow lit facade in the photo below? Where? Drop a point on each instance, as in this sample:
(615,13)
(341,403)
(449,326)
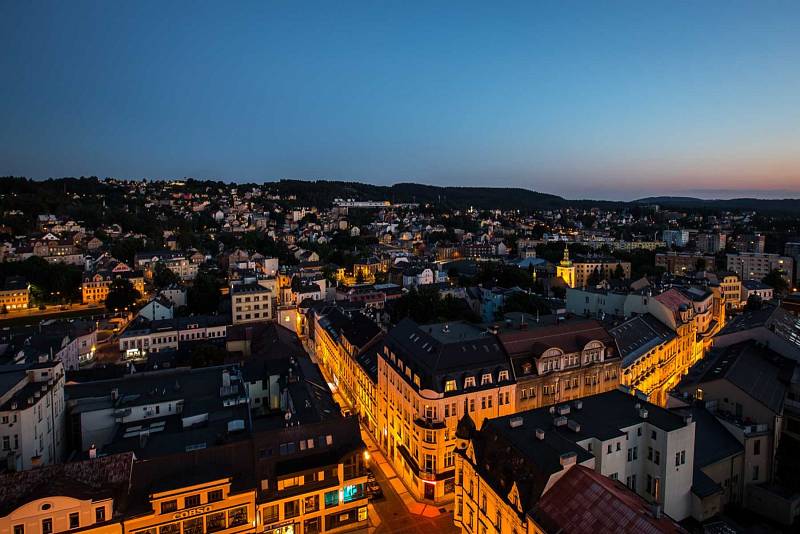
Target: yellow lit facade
(566,270)
(14,299)
(94,289)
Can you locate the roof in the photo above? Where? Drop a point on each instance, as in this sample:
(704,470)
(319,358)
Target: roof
(583,501)
(712,441)
(439,352)
(638,335)
(754,369)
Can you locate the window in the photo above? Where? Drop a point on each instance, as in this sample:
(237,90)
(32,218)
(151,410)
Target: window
(191,501)
(169,506)
(450,385)
(472,405)
(311,504)
(650,453)
(332,499)
(619,445)
(608,449)
(271,514)
(313,526)
(502,376)
(653,435)
(639,431)
(657,459)
(449,458)
(469,382)
(214,522)
(47,526)
(486,379)
(193,526)
(238,516)
(755,472)
(214,496)
(74,520)
(757,447)
(19,529)
(100,514)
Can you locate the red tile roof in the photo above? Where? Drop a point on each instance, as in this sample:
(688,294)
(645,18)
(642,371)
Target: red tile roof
(584,501)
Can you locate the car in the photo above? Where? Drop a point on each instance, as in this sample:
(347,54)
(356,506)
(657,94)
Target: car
(374,490)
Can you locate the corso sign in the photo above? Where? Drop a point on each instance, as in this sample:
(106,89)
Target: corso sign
(194,511)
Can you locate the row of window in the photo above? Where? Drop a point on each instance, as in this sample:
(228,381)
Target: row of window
(74,521)
(191,501)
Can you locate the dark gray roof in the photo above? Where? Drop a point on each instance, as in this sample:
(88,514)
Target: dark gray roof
(636,336)
(754,369)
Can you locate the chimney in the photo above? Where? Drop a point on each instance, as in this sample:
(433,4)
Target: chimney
(574,425)
(643,413)
(568,459)
(578,404)
(92,452)
(540,434)
(226,378)
(515,422)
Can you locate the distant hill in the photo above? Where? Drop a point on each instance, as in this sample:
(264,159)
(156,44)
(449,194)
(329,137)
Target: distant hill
(322,192)
(786,205)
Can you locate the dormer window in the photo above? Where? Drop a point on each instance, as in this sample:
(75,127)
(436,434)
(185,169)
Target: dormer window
(469,382)
(449,385)
(502,376)
(526,368)
(486,379)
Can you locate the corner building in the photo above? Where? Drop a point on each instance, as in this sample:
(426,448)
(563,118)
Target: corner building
(428,378)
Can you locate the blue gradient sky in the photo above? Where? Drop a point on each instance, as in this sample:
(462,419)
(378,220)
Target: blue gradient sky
(584,99)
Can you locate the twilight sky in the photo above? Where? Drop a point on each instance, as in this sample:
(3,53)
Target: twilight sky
(601,99)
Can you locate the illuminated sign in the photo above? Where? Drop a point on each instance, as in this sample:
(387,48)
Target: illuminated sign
(194,511)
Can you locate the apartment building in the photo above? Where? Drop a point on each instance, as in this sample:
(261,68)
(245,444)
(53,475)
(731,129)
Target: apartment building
(683,262)
(755,265)
(31,415)
(250,303)
(559,362)
(675,238)
(345,345)
(506,468)
(15,294)
(143,336)
(428,378)
(711,243)
(731,286)
(96,283)
(579,272)
(176,261)
(750,243)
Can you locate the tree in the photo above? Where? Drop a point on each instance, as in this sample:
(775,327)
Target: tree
(619,273)
(523,302)
(163,276)
(594,278)
(776,281)
(121,295)
(204,295)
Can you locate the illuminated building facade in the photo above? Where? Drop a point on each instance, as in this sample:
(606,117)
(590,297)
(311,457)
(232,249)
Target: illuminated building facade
(428,378)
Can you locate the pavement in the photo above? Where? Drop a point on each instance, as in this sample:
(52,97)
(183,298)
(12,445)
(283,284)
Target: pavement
(397,511)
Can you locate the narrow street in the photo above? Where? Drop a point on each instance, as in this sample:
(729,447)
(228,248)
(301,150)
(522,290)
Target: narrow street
(397,511)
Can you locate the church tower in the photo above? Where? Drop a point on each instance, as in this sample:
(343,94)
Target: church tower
(565,270)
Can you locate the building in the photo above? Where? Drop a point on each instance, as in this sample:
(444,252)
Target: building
(514,460)
(744,386)
(79,340)
(683,262)
(250,303)
(84,495)
(95,285)
(157,309)
(175,261)
(345,345)
(731,286)
(754,265)
(15,294)
(711,243)
(654,358)
(559,362)
(750,243)
(31,415)
(429,377)
(566,270)
(675,238)
(767,323)
(756,288)
(256,448)
(143,336)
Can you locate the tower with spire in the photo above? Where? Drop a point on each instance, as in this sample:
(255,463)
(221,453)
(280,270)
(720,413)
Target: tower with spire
(565,269)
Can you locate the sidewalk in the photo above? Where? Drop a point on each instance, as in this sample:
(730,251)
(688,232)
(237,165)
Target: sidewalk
(412,505)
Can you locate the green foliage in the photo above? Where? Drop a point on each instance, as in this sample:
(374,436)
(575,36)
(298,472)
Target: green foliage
(499,274)
(776,281)
(204,296)
(594,278)
(163,276)
(121,295)
(51,283)
(126,249)
(619,273)
(426,305)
